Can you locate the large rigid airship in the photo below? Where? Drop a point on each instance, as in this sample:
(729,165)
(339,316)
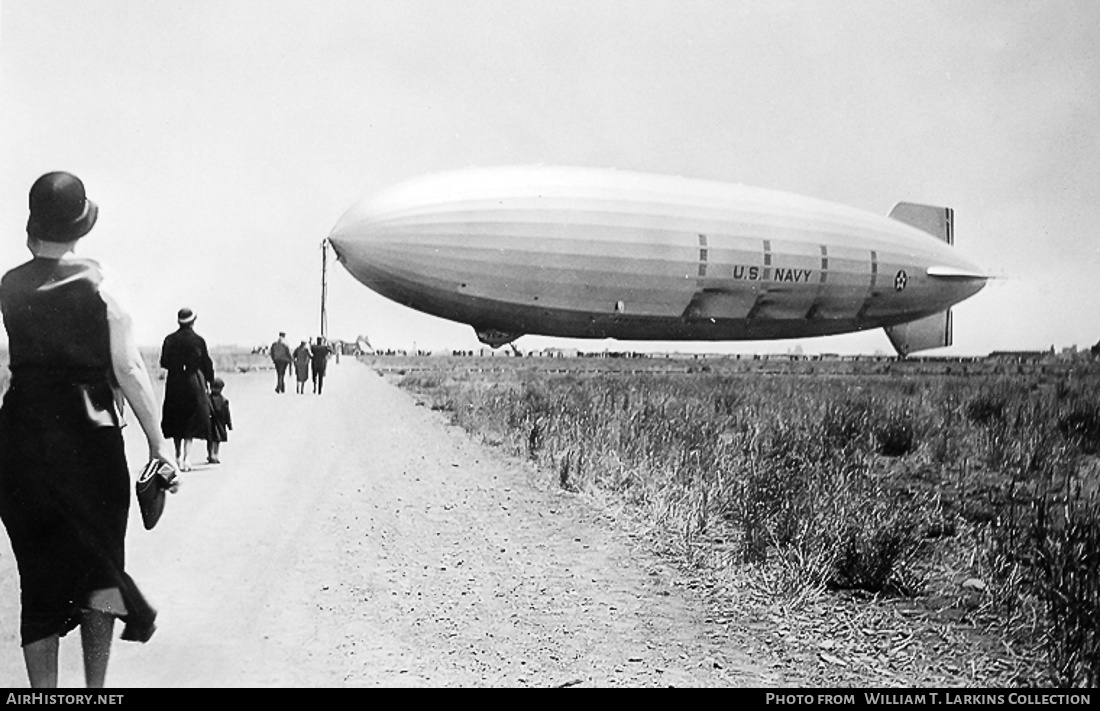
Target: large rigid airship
(599,253)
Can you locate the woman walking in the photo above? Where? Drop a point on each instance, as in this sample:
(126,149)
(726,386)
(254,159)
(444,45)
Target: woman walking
(301,365)
(186,389)
(64,480)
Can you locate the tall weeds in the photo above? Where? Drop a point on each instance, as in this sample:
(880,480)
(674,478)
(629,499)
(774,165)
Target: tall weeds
(835,482)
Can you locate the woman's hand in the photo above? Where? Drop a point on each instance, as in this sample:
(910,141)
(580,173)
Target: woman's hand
(162,453)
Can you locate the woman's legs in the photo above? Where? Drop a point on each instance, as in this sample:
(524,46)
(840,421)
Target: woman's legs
(41,659)
(185,459)
(96,629)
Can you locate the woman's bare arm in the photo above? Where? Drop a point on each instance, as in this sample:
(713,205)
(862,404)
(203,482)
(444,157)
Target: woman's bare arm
(131,373)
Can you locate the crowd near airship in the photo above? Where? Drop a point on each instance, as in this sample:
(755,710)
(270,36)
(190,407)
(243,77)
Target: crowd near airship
(600,253)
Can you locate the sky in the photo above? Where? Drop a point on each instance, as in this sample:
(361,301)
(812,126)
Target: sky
(223,139)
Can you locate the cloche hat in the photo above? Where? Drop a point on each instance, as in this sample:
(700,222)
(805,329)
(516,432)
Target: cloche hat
(185,315)
(60,210)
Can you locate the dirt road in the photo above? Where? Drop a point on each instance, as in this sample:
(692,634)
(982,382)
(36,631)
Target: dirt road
(356,539)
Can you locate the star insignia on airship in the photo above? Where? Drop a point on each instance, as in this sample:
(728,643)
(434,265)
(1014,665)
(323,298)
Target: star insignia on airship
(900,280)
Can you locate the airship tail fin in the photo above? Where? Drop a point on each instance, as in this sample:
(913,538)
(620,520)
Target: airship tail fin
(936,221)
(929,332)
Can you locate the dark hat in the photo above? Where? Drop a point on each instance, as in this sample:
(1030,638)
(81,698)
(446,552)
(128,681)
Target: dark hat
(60,211)
(217,384)
(282,333)
(185,315)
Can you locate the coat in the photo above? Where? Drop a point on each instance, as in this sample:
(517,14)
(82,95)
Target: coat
(301,363)
(221,420)
(186,412)
(280,353)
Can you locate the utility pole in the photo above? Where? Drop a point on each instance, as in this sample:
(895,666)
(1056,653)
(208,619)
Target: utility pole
(324,288)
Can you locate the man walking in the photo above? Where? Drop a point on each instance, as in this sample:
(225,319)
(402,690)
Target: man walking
(319,353)
(280,356)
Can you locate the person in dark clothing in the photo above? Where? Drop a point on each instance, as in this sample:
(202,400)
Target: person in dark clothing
(301,366)
(280,356)
(221,421)
(319,353)
(64,479)
(186,415)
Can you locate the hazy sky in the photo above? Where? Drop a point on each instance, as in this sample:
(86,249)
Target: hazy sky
(223,139)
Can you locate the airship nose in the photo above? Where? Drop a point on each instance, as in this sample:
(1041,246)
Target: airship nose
(359,248)
(373,250)
(354,238)
(339,245)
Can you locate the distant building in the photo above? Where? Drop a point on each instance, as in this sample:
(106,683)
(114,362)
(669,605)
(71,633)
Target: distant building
(1018,356)
(1072,353)
(560,352)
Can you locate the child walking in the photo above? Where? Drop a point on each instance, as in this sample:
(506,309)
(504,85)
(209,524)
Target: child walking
(220,421)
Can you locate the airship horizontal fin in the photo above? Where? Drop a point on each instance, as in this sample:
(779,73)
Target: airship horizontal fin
(944,272)
(933,331)
(936,221)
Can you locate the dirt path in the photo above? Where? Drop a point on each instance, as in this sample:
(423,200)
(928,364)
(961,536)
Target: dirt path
(355,539)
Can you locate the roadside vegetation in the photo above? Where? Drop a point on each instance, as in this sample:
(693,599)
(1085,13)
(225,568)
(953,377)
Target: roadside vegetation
(970,489)
(226,359)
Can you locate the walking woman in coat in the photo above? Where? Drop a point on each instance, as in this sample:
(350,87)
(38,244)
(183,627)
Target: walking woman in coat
(187,388)
(64,480)
(302,357)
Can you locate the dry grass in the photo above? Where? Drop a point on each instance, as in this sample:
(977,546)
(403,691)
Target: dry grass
(968,498)
(226,360)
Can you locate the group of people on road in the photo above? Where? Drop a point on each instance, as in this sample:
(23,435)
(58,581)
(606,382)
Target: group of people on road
(306,358)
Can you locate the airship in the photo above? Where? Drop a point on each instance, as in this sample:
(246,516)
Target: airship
(602,253)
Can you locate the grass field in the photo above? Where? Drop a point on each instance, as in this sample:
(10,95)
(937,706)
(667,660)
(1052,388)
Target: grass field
(972,486)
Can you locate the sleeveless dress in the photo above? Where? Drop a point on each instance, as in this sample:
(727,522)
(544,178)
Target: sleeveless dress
(64,480)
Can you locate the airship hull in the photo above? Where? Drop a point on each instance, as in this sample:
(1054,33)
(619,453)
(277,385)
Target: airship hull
(590,253)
